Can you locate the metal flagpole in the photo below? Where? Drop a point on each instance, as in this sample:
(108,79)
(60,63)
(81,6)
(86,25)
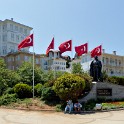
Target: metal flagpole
(71,55)
(88,57)
(33,64)
(102,55)
(54,58)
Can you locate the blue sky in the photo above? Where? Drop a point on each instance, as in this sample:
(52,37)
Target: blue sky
(93,21)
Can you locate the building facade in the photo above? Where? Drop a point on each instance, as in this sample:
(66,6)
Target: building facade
(15,59)
(11,34)
(112,64)
(53,61)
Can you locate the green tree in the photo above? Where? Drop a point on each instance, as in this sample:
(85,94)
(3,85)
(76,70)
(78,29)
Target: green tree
(26,73)
(77,68)
(50,77)
(8,78)
(69,86)
(2,63)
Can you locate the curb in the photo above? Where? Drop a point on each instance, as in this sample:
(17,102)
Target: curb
(24,109)
(48,110)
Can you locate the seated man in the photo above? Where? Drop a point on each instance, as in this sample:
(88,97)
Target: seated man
(77,106)
(69,106)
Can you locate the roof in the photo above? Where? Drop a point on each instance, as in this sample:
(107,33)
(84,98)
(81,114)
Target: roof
(18,23)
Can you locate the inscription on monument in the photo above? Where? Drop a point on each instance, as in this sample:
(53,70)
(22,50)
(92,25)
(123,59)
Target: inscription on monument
(104,92)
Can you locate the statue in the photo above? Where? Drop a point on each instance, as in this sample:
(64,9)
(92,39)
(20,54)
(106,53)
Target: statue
(95,69)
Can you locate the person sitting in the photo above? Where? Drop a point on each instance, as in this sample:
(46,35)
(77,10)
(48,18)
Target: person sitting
(69,106)
(77,106)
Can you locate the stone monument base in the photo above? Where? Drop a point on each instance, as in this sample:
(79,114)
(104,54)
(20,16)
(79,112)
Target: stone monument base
(104,90)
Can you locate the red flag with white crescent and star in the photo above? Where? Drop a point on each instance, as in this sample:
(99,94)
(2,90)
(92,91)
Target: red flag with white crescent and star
(66,46)
(51,46)
(82,49)
(96,51)
(28,41)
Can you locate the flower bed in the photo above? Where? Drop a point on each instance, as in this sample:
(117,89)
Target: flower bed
(112,105)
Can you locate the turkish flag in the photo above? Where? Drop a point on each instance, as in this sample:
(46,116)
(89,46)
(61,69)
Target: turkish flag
(51,46)
(96,51)
(82,49)
(66,46)
(28,41)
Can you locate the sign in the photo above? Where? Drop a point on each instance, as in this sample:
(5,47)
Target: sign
(98,106)
(104,92)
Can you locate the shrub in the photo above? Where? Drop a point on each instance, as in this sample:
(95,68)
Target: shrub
(88,81)
(7,99)
(112,80)
(116,80)
(59,108)
(9,91)
(90,104)
(23,90)
(69,86)
(104,75)
(48,94)
(38,89)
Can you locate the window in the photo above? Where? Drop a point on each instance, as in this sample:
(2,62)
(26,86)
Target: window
(4,27)
(37,61)
(22,38)
(112,72)
(18,58)
(9,59)
(12,36)
(4,50)
(115,62)
(16,28)
(30,59)
(107,61)
(17,38)
(21,30)
(45,63)
(11,49)
(4,37)
(12,58)
(11,27)
(119,62)
(26,58)
(110,60)
(25,31)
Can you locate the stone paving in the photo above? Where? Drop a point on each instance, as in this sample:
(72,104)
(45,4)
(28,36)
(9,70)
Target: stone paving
(9,116)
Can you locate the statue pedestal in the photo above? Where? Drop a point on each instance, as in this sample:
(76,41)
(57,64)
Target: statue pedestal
(104,90)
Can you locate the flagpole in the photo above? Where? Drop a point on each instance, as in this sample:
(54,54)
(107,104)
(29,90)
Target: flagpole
(102,55)
(88,55)
(71,55)
(33,66)
(54,58)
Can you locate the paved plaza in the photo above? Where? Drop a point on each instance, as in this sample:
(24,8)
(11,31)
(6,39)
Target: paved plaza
(8,116)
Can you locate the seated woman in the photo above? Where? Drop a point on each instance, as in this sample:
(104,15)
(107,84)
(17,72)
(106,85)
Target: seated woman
(77,106)
(69,106)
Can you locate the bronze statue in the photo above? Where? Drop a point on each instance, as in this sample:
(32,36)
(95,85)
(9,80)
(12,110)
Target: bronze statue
(95,69)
